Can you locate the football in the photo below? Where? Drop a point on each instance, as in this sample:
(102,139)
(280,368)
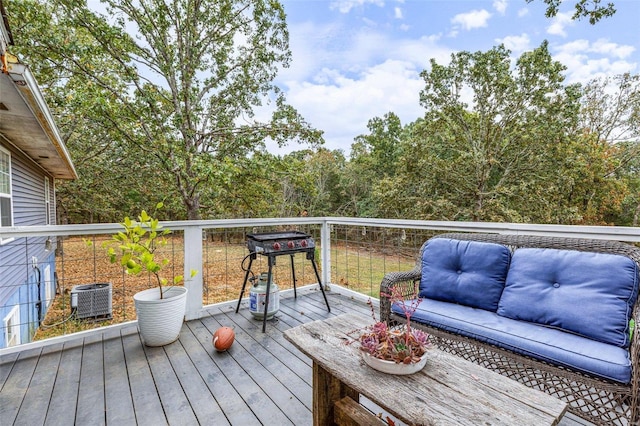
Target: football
(223,338)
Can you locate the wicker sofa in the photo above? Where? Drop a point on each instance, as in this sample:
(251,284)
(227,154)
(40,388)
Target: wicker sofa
(555,314)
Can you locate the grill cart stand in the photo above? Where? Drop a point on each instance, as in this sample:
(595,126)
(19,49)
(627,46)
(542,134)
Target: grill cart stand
(272,245)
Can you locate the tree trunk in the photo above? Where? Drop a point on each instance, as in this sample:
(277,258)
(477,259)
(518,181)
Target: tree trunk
(193,208)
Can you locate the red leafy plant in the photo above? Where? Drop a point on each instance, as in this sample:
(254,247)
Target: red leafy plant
(401,344)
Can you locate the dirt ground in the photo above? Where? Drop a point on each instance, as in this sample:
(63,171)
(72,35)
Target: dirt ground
(79,262)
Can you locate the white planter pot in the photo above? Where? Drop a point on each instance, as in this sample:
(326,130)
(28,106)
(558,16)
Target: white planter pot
(160,320)
(390,367)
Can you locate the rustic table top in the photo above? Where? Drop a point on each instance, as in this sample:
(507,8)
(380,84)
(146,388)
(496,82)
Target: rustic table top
(449,390)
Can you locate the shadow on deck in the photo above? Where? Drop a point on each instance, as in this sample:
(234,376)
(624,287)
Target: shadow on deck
(109,377)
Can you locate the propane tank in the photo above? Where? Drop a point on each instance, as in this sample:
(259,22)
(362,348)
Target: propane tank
(258,294)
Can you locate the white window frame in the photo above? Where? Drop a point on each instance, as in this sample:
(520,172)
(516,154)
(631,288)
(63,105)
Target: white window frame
(48,287)
(7,195)
(12,327)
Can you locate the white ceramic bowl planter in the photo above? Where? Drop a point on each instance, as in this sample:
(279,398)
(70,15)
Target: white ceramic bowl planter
(160,320)
(391,367)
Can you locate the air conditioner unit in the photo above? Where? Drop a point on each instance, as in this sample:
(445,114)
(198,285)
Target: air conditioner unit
(91,300)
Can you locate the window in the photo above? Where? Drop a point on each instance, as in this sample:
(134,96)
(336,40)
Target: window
(6,217)
(47,200)
(12,327)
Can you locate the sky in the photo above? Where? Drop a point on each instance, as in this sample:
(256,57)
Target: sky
(354,60)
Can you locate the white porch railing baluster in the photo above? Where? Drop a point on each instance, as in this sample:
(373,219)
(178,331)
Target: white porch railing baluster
(193,261)
(325,240)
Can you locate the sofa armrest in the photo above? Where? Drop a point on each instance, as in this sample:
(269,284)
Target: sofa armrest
(405,281)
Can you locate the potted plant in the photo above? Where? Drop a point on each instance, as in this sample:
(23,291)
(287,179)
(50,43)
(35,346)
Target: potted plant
(160,310)
(395,350)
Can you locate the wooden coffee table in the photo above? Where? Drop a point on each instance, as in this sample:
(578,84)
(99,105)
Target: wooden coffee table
(449,390)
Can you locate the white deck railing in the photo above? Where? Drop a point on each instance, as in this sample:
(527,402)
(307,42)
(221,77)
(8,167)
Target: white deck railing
(362,235)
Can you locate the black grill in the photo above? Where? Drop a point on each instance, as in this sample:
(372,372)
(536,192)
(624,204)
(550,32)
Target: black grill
(273,244)
(285,242)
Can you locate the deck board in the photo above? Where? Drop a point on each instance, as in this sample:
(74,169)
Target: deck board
(120,408)
(91,400)
(38,394)
(145,398)
(109,377)
(17,383)
(63,402)
(223,390)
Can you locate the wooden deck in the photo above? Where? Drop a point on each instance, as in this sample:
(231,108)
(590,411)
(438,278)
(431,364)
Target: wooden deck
(109,377)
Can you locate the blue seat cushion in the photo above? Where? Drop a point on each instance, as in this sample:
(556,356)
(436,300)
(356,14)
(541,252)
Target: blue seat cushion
(591,294)
(554,346)
(470,273)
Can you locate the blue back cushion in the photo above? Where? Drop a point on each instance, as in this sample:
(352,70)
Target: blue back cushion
(469,273)
(591,294)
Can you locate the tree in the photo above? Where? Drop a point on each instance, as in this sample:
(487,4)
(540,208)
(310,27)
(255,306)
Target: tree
(316,185)
(495,131)
(591,9)
(611,108)
(610,123)
(374,157)
(629,173)
(182,89)
(380,149)
(81,110)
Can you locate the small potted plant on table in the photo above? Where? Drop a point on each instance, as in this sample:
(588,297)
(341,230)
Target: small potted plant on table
(160,310)
(394,350)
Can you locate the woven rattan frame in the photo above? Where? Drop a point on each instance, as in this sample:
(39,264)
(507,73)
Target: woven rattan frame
(599,401)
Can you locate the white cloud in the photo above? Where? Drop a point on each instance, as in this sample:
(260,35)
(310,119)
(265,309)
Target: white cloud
(345,6)
(336,46)
(347,71)
(341,77)
(558,24)
(342,106)
(500,6)
(369,22)
(516,44)
(604,46)
(585,60)
(472,20)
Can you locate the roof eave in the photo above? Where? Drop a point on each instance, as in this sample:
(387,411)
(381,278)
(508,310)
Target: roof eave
(29,90)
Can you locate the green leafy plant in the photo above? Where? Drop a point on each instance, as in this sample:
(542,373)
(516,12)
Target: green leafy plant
(135,248)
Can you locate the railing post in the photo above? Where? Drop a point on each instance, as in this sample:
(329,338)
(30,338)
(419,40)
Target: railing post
(193,261)
(325,240)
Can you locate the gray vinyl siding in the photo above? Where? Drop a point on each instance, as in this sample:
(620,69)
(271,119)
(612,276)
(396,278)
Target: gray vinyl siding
(27,190)
(28,194)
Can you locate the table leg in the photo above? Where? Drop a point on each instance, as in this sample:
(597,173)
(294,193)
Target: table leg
(326,391)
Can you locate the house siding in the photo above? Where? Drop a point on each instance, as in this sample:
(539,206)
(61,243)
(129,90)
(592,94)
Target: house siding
(22,260)
(28,194)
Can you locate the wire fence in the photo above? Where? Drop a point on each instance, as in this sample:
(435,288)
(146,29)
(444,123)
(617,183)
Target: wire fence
(59,280)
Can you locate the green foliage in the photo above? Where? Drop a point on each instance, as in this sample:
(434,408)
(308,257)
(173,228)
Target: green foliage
(478,150)
(627,173)
(170,95)
(500,140)
(135,248)
(512,143)
(591,9)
